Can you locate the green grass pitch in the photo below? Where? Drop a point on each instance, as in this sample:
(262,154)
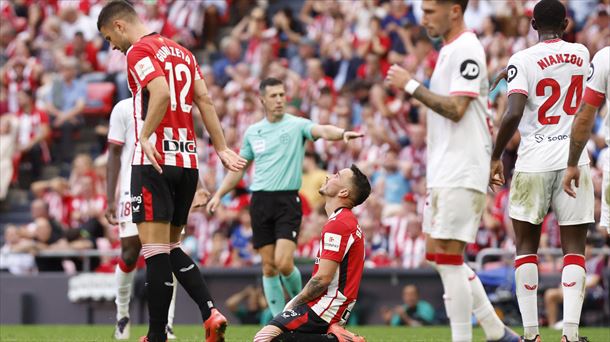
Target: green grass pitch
(239,333)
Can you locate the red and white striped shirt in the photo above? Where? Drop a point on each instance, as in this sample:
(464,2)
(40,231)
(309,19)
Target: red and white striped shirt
(343,242)
(148,58)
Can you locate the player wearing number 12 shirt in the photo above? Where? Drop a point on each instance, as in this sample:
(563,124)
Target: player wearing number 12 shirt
(165,82)
(545,87)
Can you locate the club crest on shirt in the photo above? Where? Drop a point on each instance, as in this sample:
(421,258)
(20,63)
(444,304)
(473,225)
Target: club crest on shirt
(332,242)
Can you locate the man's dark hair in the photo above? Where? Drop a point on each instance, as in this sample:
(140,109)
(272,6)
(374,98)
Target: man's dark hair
(361,186)
(114,10)
(268,82)
(549,15)
(463,3)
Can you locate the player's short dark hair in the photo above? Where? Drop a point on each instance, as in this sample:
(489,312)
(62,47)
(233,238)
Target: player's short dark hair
(113,10)
(549,14)
(361,186)
(463,3)
(268,82)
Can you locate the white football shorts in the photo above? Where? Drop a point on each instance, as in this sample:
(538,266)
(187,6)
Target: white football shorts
(532,193)
(453,213)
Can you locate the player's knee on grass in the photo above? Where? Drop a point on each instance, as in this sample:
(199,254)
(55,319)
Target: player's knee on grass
(267,333)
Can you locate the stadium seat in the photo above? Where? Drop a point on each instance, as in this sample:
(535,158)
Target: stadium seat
(99,99)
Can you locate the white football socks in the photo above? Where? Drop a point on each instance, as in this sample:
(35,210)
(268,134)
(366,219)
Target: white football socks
(124,281)
(526,278)
(573,283)
(458,296)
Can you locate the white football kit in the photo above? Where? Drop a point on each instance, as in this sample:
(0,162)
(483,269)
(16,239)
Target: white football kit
(598,89)
(551,74)
(458,152)
(122,131)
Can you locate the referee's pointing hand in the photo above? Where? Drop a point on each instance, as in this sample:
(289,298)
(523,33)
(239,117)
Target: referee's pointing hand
(349,135)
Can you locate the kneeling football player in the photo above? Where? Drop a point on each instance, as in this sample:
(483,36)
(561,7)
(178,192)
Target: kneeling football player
(322,308)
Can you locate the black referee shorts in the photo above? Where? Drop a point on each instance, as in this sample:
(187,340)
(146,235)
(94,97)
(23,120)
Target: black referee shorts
(275,215)
(165,197)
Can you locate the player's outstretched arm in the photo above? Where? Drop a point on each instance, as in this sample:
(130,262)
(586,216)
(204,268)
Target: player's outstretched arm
(228,183)
(157,106)
(317,285)
(330,132)
(581,131)
(231,160)
(112,171)
(508,127)
(450,107)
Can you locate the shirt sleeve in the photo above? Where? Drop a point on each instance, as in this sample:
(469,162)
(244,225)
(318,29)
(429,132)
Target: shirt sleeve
(335,236)
(517,76)
(305,125)
(116,128)
(598,78)
(467,74)
(143,64)
(198,75)
(246,149)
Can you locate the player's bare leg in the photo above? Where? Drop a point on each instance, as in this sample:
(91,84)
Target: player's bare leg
(527,237)
(159,281)
(573,239)
(272,286)
(189,276)
(124,274)
(458,295)
(284,261)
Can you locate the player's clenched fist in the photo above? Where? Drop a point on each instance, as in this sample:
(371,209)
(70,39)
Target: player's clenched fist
(231,160)
(111,214)
(398,76)
(496,176)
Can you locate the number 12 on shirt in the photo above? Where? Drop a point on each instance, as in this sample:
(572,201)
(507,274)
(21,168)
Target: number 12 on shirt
(176,74)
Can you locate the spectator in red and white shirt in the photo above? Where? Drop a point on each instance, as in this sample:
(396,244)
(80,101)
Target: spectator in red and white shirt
(34,130)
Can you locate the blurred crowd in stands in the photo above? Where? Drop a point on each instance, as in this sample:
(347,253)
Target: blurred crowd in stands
(332,56)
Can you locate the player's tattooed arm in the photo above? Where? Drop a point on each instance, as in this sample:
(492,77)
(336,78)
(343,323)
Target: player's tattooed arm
(450,107)
(317,285)
(312,290)
(581,131)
